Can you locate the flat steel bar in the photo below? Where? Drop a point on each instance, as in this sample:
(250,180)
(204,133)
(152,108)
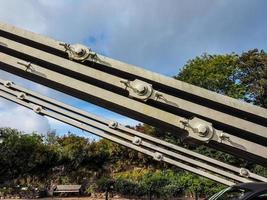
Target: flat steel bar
(197,109)
(250,147)
(138,72)
(130,131)
(76,116)
(100,133)
(97,95)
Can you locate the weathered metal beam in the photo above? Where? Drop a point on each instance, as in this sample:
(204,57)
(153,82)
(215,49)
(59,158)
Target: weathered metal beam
(26,94)
(107,81)
(60,82)
(113,66)
(88,92)
(160,100)
(155,155)
(40,103)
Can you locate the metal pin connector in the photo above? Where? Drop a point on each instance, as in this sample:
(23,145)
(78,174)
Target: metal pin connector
(28,65)
(158,156)
(8,83)
(137,140)
(21,95)
(113,124)
(37,109)
(244,172)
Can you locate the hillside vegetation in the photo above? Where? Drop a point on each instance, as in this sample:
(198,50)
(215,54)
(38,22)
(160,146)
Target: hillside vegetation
(34,160)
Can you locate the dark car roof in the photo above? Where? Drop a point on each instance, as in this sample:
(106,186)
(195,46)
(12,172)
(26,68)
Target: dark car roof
(255,187)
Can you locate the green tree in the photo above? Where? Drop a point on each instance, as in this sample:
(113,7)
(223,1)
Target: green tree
(214,72)
(239,76)
(253,75)
(23,155)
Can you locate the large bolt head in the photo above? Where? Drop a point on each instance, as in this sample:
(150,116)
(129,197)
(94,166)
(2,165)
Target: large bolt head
(244,172)
(79,50)
(141,89)
(137,140)
(113,124)
(158,156)
(202,129)
(37,109)
(8,83)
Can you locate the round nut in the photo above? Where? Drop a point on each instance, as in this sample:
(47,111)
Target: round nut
(21,95)
(202,129)
(113,124)
(37,109)
(79,50)
(158,156)
(244,172)
(137,140)
(8,83)
(141,89)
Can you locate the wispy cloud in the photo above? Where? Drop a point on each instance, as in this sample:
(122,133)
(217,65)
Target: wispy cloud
(21,118)
(158,35)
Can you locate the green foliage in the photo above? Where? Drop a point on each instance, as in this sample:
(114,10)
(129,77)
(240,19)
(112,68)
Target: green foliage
(27,158)
(23,154)
(239,76)
(163,183)
(260,170)
(74,150)
(154,183)
(129,188)
(253,75)
(214,72)
(136,174)
(91,189)
(171,190)
(104,183)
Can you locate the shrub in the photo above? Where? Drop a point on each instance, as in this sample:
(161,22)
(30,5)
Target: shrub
(126,187)
(104,184)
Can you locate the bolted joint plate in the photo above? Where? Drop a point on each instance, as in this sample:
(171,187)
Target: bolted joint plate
(199,129)
(21,95)
(8,83)
(138,89)
(37,109)
(78,52)
(141,90)
(158,156)
(244,172)
(137,140)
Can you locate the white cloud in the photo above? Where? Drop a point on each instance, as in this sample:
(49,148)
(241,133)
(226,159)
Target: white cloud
(21,118)
(159,35)
(63,129)
(25,14)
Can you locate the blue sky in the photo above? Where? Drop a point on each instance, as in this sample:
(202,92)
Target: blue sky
(157,35)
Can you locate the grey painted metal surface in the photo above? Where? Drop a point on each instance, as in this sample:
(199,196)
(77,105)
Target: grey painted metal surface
(225,123)
(38,73)
(72,120)
(107,80)
(21,94)
(40,104)
(115,81)
(140,72)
